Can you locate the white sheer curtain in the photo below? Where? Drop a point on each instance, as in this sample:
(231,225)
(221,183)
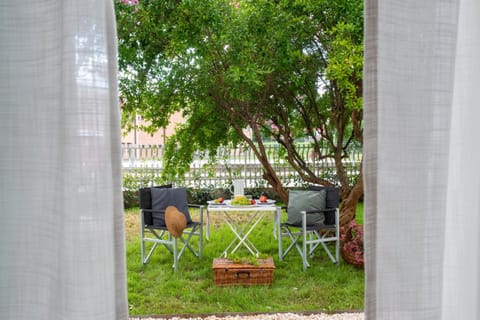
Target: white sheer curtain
(422,159)
(62,250)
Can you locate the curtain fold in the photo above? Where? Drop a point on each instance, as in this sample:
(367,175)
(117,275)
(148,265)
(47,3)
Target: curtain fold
(62,252)
(422,181)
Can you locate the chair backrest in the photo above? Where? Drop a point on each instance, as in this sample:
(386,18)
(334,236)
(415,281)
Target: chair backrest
(332,201)
(306,200)
(164,197)
(145,199)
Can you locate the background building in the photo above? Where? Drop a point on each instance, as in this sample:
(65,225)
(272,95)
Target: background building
(138,137)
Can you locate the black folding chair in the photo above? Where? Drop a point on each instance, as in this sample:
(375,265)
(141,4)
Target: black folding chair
(153,202)
(313,221)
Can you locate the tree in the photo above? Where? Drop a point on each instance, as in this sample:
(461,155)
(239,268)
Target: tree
(284,69)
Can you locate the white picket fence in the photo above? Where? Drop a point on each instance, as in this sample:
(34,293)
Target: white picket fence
(142,163)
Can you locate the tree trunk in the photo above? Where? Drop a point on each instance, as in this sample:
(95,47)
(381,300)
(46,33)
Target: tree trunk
(348,209)
(350,200)
(272,178)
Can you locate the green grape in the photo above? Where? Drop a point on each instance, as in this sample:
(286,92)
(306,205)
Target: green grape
(240,200)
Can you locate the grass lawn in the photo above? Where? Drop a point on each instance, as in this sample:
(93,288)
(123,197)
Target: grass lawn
(156,289)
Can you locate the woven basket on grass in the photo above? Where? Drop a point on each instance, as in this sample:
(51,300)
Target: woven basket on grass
(348,255)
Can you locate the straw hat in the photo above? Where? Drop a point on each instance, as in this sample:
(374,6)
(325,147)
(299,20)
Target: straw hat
(175,221)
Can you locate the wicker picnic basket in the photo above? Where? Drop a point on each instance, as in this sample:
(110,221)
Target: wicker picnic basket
(227,273)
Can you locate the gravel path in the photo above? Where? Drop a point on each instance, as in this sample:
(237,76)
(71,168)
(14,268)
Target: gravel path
(274,316)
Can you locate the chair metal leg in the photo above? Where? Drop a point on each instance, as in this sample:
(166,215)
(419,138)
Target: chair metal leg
(294,237)
(142,247)
(147,258)
(186,244)
(200,232)
(328,252)
(280,242)
(304,238)
(175,254)
(142,235)
(337,233)
(337,251)
(304,244)
(200,241)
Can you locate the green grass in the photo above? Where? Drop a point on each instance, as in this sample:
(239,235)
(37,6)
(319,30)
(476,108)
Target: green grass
(156,289)
(359,213)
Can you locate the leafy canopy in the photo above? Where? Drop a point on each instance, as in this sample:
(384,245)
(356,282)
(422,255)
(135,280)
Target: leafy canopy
(281,69)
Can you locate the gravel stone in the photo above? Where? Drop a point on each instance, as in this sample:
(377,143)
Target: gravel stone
(274,316)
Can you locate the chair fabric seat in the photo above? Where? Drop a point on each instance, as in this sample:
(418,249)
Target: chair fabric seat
(321,226)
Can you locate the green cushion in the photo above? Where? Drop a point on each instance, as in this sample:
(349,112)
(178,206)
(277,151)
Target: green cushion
(306,200)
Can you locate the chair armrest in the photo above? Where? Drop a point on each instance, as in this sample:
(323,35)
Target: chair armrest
(314,211)
(329,221)
(321,210)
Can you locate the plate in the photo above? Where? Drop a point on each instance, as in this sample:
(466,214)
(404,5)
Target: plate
(213,203)
(268,203)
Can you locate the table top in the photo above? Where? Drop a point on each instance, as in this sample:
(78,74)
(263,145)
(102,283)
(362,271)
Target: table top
(226,206)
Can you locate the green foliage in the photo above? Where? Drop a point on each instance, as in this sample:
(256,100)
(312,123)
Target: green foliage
(257,191)
(346,63)
(252,260)
(130,199)
(136,178)
(284,70)
(202,195)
